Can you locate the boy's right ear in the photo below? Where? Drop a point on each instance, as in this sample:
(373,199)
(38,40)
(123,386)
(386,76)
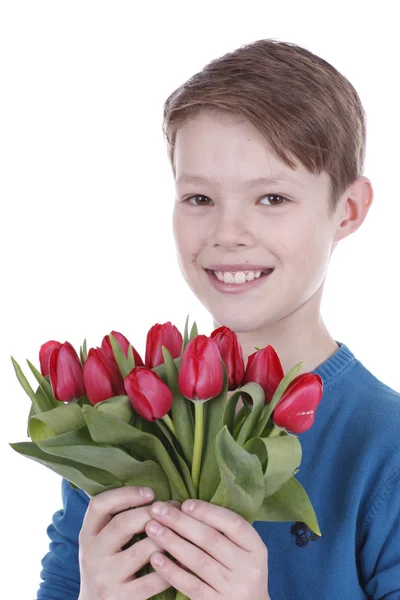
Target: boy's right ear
(354,208)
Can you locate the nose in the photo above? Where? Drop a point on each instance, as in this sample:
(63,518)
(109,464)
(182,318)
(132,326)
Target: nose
(231,229)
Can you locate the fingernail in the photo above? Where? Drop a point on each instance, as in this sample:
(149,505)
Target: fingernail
(189,506)
(146,492)
(155,528)
(157,559)
(160,509)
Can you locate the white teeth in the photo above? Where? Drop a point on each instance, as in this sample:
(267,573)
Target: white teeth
(239,277)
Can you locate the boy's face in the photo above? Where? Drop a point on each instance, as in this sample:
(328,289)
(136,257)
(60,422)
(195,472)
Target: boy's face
(227,219)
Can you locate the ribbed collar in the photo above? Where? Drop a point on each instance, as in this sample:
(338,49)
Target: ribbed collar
(335,364)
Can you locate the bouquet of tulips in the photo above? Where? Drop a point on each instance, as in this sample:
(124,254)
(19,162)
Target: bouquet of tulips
(104,419)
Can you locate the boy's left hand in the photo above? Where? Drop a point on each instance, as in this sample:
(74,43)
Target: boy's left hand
(214,543)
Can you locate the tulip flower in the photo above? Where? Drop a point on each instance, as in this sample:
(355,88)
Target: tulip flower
(200,378)
(149,395)
(264,367)
(231,353)
(295,411)
(200,373)
(44,355)
(102,377)
(124,343)
(66,376)
(162,335)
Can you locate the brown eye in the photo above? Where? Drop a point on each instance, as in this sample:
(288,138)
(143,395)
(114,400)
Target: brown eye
(275,199)
(202,200)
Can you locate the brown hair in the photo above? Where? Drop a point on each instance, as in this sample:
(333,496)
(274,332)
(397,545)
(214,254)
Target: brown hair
(299,102)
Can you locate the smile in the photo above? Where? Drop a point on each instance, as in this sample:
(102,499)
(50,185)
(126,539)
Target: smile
(241,281)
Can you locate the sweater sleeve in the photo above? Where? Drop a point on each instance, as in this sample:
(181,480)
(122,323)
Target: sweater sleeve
(60,566)
(380,543)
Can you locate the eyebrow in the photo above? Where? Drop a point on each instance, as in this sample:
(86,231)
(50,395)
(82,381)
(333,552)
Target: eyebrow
(278,178)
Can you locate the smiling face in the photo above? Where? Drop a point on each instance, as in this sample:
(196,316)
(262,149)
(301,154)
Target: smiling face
(222,214)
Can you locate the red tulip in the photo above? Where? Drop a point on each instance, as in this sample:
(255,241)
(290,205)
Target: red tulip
(66,376)
(264,367)
(162,335)
(231,353)
(44,355)
(149,395)
(124,343)
(200,374)
(296,409)
(102,377)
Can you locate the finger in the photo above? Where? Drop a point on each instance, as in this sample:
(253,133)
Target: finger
(184,582)
(122,528)
(232,525)
(209,539)
(195,559)
(104,506)
(145,587)
(131,560)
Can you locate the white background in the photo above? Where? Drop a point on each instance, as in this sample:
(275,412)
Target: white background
(87,194)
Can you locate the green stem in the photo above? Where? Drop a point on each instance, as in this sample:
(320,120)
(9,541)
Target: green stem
(180,596)
(198,442)
(168,421)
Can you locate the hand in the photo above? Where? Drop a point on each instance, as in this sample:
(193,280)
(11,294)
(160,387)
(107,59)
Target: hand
(224,554)
(106,570)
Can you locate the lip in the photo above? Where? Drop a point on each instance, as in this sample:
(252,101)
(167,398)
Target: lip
(234,288)
(233,268)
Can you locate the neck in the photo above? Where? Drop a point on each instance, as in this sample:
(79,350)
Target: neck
(299,337)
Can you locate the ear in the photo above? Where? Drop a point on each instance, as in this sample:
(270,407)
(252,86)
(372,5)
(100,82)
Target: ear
(353,207)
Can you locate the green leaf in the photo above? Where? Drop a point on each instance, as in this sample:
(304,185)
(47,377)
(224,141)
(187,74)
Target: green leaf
(161,372)
(282,456)
(119,355)
(213,423)
(242,483)
(90,480)
(185,338)
(131,358)
(40,402)
(257,394)
(44,385)
(182,415)
(118,406)
(181,462)
(229,416)
(66,417)
(194,331)
(83,352)
(107,429)
(77,446)
(289,503)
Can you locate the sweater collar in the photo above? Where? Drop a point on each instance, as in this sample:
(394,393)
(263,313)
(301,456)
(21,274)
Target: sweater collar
(335,364)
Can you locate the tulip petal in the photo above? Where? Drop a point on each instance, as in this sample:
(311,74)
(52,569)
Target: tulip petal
(97,380)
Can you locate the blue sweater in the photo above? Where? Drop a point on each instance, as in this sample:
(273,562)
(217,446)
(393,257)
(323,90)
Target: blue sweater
(351,471)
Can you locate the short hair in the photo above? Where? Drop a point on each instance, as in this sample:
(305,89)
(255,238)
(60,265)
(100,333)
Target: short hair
(300,103)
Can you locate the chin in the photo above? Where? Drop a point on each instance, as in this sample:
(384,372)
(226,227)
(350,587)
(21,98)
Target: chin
(239,323)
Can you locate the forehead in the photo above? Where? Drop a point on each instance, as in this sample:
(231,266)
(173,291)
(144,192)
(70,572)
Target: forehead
(226,149)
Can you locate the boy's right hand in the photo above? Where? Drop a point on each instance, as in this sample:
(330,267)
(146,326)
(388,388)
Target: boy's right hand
(106,570)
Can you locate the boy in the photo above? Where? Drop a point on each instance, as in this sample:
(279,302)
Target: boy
(267,147)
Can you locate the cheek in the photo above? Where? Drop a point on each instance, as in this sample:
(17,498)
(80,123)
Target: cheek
(306,247)
(185,237)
